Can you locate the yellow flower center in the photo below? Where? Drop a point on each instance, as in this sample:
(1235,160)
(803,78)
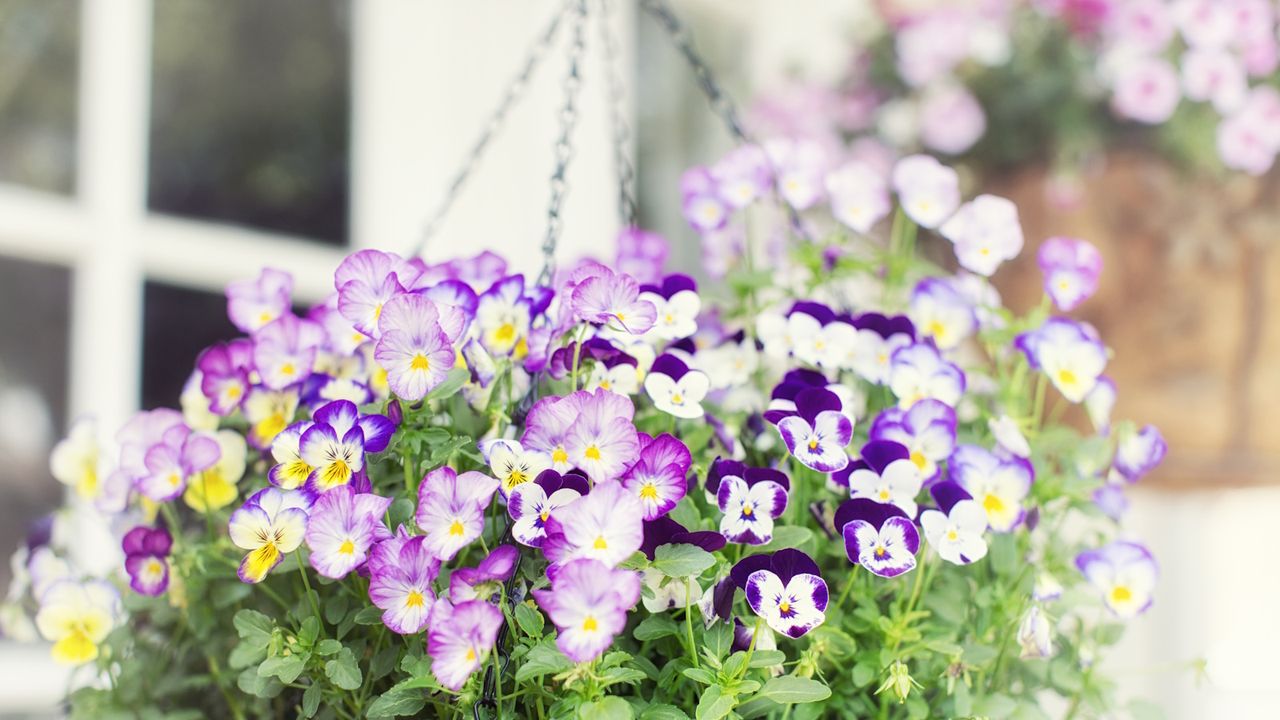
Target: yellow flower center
(952,535)
(784,607)
(992,504)
(347,547)
(456,528)
(936,328)
(592,453)
(559,456)
(648,492)
(747,510)
(505,333)
(600,543)
(884,495)
(677,399)
(414,600)
(1066,377)
(919,459)
(265,317)
(1120,594)
(175,479)
(420,362)
(881,551)
(288,369)
(471,654)
(813,444)
(544,515)
(590,624)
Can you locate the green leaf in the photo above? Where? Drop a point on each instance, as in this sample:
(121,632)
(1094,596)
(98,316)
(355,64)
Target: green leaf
(328,647)
(607,708)
(228,594)
(397,702)
(371,615)
(681,561)
(787,536)
(790,689)
(656,626)
(699,675)
(251,683)
(309,631)
(254,627)
(246,654)
(343,671)
(714,704)
(756,707)
(766,658)
(995,706)
(285,667)
(663,712)
(452,384)
(336,608)
(718,639)
(311,700)
(863,674)
(543,659)
(530,620)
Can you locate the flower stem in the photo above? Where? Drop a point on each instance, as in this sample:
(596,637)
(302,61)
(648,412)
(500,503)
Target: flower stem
(688,620)
(311,597)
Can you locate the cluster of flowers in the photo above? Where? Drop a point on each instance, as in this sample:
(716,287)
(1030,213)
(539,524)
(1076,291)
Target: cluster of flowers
(602,402)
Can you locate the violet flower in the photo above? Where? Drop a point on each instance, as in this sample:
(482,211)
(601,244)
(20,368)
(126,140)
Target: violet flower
(1071,269)
(416,344)
(998,483)
(675,388)
(786,589)
(335,444)
(885,474)
(252,304)
(269,525)
(606,525)
(451,509)
(588,603)
(531,504)
(818,433)
(955,529)
(461,637)
(401,571)
(750,503)
(676,307)
(284,350)
(606,297)
(224,374)
(918,372)
(146,553)
(342,529)
(879,537)
(171,464)
(1070,354)
(1124,573)
(659,478)
(1140,452)
(927,430)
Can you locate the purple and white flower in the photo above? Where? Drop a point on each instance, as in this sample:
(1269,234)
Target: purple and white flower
(1138,453)
(786,589)
(1070,354)
(253,304)
(171,464)
(451,509)
(588,603)
(461,637)
(605,298)
(531,504)
(941,313)
(675,388)
(268,412)
(885,474)
(1071,268)
(269,525)
(1009,437)
(601,440)
(928,190)
(1035,634)
(878,338)
(676,304)
(927,429)
(284,350)
(335,443)
(859,195)
(659,478)
(343,527)
(484,581)
(750,503)
(919,372)
(818,433)
(401,571)
(985,232)
(879,537)
(999,484)
(606,525)
(955,529)
(1124,573)
(504,317)
(146,559)
(224,374)
(513,465)
(416,345)
(1099,403)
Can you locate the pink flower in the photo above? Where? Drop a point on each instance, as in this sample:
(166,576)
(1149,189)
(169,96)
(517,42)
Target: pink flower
(607,297)
(928,190)
(451,509)
(951,120)
(1214,76)
(1146,90)
(859,196)
(606,525)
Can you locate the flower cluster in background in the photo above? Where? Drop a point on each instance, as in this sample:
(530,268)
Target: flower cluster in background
(845,478)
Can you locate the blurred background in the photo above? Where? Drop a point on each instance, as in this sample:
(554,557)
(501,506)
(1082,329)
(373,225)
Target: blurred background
(153,150)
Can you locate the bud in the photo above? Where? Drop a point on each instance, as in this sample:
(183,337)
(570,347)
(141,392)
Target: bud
(899,681)
(1047,588)
(1034,634)
(395,413)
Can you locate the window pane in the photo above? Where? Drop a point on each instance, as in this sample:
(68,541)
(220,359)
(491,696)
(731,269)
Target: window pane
(250,113)
(34,320)
(177,324)
(39,58)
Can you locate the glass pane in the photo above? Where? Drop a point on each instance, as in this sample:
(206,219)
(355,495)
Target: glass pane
(177,324)
(33,393)
(39,66)
(250,113)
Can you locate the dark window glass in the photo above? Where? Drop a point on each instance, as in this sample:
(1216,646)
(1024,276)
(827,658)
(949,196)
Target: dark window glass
(39,59)
(177,324)
(34,321)
(249,114)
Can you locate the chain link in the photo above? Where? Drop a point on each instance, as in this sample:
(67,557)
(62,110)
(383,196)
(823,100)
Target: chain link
(721,104)
(514,92)
(564,150)
(618,124)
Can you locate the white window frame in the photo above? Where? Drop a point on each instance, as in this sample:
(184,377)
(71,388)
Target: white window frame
(424,76)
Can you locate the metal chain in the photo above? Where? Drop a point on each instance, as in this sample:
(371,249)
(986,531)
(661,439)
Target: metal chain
(621,132)
(721,104)
(564,150)
(514,92)
(488,687)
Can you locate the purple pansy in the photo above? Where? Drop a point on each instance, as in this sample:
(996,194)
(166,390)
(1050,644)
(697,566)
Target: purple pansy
(750,503)
(879,537)
(588,603)
(884,474)
(927,429)
(701,203)
(784,588)
(484,581)
(601,440)
(818,433)
(401,571)
(918,372)
(676,305)
(146,553)
(641,254)
(928,191)
(1068,352)
(290,470)
(859,195)
(451,509)
(941,313)
(269,525)
(676,389)
(1111,500)
(955,529)
(877,338)
(504,316)
(531,504)
(606,297)
(416,347)
(460,639)
(513,464)
(1099,403)
(224,374)
(1071,268)
(366,281)
(659,477)
(252,304)
(665,531)
(335,443)
(547,428)
(1138,453)
(172,462)
(1124,573)
(343,527)
(606,525)
(999,483)
(284,350)
(985,232)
